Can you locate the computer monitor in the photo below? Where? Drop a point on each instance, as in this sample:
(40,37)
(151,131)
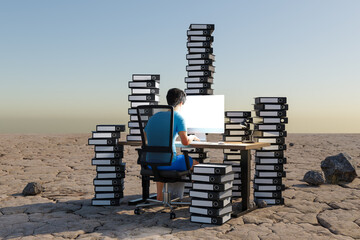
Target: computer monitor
(204,114)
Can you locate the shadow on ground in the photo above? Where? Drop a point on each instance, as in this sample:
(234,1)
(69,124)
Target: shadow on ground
(77,218)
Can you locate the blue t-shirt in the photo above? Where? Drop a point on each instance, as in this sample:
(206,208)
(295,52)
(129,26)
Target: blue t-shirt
(158,127)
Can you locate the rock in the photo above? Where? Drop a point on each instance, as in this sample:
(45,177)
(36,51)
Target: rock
(339,168)
(314,178)
(291,144)
(251,220)
(261,204)
(32,188)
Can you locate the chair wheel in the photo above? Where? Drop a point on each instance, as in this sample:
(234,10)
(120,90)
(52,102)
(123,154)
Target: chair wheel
(137,211)
(172,215)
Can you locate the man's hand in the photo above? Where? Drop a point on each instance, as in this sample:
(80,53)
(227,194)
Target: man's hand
(185,139)
(194,138)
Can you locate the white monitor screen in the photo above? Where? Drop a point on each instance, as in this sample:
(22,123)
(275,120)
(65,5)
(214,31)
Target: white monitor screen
(204,114)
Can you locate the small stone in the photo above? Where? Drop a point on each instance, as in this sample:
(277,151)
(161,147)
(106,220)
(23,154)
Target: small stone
(252,204)
(32,188)
(339,168)
(291,144)
(314,178)
(261,204)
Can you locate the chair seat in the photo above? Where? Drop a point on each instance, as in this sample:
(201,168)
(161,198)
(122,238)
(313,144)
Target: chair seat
(171,175)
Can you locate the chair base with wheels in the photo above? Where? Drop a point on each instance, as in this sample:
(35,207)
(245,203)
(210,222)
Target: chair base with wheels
(167,176)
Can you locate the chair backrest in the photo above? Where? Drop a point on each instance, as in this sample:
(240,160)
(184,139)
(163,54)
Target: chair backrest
(156,123)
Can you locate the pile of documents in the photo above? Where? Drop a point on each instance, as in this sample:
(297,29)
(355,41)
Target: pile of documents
(237,129)
(144,91)
(269,127)
(200,68)
(109,181)
(211,193)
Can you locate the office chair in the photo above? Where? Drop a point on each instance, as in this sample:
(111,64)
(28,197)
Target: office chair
(156,151)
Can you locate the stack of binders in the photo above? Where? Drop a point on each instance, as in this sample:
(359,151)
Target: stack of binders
(200,69)
(199,155)
(144,91)
(211,193)
(269,127)
(109,181)
(237,129)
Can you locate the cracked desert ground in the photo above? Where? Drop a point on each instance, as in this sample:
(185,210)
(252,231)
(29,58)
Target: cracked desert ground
(62,164)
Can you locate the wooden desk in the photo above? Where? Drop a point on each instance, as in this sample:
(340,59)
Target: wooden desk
(224,145)
(244,163)
(213,145)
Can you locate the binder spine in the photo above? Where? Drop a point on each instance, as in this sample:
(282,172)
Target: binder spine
(199,91)
(199,32)
(200,38)
(198,85)
(146,77)
(200,62)
(151,84)
(270,126)
(105,135)
(199,80)
(116,148)
(199,44)
(110,128)
(142,98)
(106,202)
(202,27)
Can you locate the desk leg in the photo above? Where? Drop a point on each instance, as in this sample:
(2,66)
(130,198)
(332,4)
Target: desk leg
(145,181)
(245,164)
(245,178)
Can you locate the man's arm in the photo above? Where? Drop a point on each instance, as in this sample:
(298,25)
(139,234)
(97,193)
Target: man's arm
(185,139)
(145,137)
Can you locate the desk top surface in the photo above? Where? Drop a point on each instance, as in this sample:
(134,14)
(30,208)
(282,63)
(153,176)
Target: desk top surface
(215,145)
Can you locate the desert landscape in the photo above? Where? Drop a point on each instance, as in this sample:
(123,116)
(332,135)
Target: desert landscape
(62,165)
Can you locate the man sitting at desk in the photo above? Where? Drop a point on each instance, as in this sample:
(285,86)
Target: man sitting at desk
(176,98)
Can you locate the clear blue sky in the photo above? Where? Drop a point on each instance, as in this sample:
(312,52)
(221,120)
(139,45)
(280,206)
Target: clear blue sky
(65,65)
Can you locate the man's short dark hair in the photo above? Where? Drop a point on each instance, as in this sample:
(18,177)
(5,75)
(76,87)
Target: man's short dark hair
(175,96)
